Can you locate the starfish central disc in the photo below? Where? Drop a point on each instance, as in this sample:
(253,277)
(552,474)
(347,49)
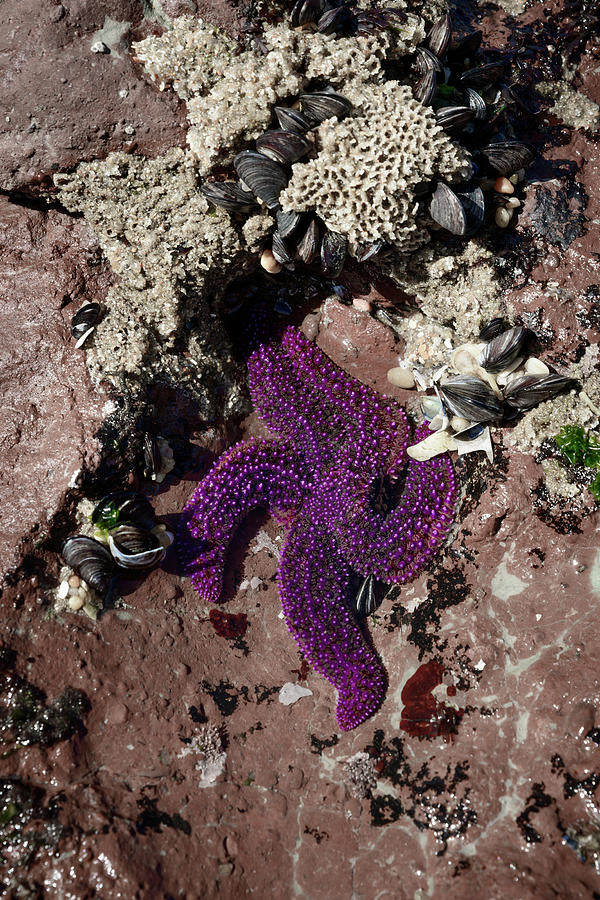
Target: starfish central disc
(336,441)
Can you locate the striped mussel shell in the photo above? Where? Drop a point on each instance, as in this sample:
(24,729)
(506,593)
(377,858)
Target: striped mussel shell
(529,390)
(334,248)
(366,601)
(84,319)
(285,147)
(446,209)
(504,350)
(135,548)
(453,118)
(425,89)
(91,560)
(287,222)
(306,11)
(309,245)
(482,76)
(321,105)
(292,120)
(265,177)
(440,35)
(280,249)
(507,157)
(228,195)
(471,398)
(477,104)
(492,329)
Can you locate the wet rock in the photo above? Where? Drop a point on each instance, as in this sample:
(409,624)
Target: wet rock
(556,212)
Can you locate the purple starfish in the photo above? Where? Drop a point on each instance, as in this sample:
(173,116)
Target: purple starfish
(337,441)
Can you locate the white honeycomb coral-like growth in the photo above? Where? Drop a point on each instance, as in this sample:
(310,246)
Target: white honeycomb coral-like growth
(363,178)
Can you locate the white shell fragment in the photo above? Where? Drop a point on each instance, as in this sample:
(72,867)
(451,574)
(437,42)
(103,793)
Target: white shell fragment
(401,377)
(420,381)
(483,442)
(430,407)
(84,338)
(535,366)
(433,445)
(99,47)
(291,692)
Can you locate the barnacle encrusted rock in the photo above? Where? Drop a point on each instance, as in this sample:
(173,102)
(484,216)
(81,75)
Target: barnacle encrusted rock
(227,112)
(362,181)
(173,255)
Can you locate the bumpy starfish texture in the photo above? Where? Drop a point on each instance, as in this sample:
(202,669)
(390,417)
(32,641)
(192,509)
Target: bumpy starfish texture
(337,443)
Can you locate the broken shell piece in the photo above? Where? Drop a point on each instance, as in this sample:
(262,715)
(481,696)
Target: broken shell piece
(431,407)
(401,376)
(535,366)
(420,381)
(481,440)
(433,445)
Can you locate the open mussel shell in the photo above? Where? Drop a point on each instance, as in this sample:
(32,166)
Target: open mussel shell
(135,548)
(84,319)
(446,209)
(504,350)
(91,560)
(309,245)
(507,157)
(279,249)
(322,105)
(306,11)
(492,329)
(439,36)
(471,398)
(529,390)
(287,222)
(425,88)
(334,248)
(482,76)
(264,176)
(228,195)
(292,120)
(285,147)
(477,104)
(365,252)
(472,200)
(123,506)
(453,118)
(426,61)
(366,601)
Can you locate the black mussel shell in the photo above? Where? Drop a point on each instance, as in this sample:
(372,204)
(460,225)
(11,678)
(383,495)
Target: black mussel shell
(306,11)
(292,120)
(228,195)
(473,202)
(366,601)
(152,456)
(84,319)
(309,244)
(123,506)
(504,350)
(425,88)
(470,433)
(482,76)
(529,390)
(338,19)
(264,177)
(285,147)
(280,251)
(471,398)
(426,61)
(135,548)
(465,47)
(333,253)
(368,251)
(91,560)
(372,21)
(446,209)
(507,157)
(323,105)
(477,104)
(492,329)
(287,222)
(439,36)
(452,118)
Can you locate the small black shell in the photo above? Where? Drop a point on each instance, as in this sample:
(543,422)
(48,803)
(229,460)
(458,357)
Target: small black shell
(91,560)
(84,319)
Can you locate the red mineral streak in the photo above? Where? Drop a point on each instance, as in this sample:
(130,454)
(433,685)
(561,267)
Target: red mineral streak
(422,715)
(228,625)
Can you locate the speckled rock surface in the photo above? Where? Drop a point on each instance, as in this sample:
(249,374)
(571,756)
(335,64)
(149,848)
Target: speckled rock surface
(505,807)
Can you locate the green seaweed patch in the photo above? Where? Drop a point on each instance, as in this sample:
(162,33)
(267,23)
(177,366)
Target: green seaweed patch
(581,448)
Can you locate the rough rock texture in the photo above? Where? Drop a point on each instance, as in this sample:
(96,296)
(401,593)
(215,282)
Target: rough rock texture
(505,808)
(50,410)
(362,179)
(63,103)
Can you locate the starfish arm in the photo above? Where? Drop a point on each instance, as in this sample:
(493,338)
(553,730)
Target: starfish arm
(313,581)
(251,474)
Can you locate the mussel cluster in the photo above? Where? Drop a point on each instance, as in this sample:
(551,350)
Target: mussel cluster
(130,540)
(488,391)
(265,172)
(344,17)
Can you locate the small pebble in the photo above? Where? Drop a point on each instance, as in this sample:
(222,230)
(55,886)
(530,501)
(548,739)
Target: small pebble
(82,593)
(362,304)
(458,423)
(74,581)
(517,177)
(513,203)
(503,186)
(401,377)
(76,603)
(535,366)
(63,590)
(269,263)
(503,217)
